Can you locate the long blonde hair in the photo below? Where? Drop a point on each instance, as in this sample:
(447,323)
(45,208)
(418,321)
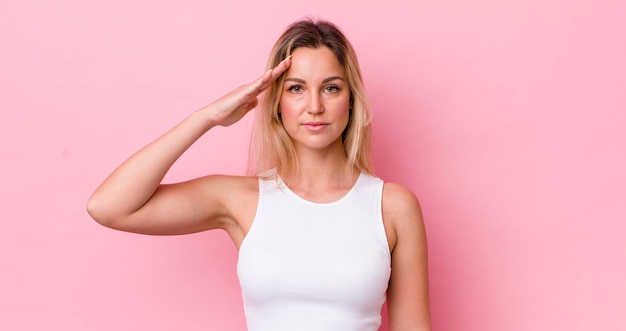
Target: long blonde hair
(271,146)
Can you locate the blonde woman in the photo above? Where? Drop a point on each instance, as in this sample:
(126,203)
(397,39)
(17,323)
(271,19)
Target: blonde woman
(322,241)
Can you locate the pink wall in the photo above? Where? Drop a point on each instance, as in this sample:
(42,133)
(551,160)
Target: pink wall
(507,118)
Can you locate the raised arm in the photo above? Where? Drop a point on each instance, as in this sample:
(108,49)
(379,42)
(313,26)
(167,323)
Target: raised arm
(407,295)
(133,199)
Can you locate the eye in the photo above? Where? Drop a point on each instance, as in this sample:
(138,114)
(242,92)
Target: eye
(295,88)
(332,89)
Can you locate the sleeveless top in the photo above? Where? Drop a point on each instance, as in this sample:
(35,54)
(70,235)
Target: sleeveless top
(315,266)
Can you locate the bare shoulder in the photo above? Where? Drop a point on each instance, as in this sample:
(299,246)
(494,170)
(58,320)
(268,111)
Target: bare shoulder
(239,198)
(402,212)
(236,194)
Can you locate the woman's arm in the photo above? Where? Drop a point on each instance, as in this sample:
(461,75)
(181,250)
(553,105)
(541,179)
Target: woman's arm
(407,295)
(133,199)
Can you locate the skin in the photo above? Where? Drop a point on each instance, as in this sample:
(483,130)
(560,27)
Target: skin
(315,110)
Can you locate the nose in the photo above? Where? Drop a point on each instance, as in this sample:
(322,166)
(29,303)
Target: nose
(315,105)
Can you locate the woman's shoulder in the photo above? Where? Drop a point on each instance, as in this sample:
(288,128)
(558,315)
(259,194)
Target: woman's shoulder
(235,193)
(399,196)
(401,210)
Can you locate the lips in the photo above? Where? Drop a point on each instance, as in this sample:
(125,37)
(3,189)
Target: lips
(315,123)
(315,126)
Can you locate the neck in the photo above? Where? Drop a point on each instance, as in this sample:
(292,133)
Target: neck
(321,169)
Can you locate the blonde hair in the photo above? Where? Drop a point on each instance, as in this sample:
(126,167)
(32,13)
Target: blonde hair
(271,146)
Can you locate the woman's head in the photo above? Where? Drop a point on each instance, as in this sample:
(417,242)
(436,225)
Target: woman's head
(273,146)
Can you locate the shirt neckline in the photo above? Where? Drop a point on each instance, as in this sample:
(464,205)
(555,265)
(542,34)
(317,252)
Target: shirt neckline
(285,188)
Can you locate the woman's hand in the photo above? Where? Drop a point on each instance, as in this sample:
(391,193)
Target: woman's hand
(230,108)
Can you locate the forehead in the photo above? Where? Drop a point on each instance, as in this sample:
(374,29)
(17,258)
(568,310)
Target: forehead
(314,63)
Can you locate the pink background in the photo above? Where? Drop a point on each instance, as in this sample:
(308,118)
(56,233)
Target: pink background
(506,118)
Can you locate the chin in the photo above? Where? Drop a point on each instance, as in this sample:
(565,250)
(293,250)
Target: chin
(319,144)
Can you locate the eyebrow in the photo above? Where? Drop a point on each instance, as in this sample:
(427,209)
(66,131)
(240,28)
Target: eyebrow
(302,81)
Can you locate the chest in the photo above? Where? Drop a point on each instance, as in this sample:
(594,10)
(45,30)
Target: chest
(304,253)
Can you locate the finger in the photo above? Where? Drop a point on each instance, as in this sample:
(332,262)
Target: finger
(282,66)
(260,84)
(265,80)
(276,72)
(257,86)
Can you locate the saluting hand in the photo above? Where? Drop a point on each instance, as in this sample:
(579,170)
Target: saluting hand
(233,106)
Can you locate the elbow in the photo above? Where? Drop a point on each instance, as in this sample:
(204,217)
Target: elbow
(100,213)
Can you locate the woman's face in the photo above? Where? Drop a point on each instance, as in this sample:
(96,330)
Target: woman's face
(315,99)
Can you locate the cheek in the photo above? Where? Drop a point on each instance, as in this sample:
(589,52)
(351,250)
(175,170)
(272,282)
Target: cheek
(288,113)
(341,107)
(347,113)
(288,105)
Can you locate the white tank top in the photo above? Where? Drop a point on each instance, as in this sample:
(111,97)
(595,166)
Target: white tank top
(315,266)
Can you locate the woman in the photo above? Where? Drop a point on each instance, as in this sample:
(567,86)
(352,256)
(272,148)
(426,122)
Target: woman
(322,242)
